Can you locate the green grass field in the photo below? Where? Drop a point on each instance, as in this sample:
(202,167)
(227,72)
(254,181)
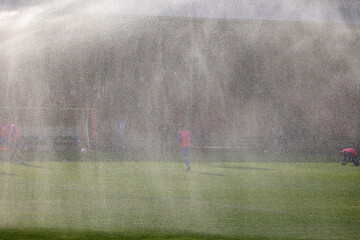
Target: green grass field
(225,196)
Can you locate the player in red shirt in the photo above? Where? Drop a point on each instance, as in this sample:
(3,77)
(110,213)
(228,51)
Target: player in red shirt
(351,155)
(185,140)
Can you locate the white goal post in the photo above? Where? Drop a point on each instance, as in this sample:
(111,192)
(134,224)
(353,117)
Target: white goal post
(52,124)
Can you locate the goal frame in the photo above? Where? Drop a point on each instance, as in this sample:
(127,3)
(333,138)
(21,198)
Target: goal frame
(27,115)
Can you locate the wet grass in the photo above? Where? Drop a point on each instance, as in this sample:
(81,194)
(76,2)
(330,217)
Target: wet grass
(239,196)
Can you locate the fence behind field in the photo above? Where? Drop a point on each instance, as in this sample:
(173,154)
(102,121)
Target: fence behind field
(72,138)
(248,145)
(242,145)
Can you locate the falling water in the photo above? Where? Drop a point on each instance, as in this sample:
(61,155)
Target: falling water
(227,69)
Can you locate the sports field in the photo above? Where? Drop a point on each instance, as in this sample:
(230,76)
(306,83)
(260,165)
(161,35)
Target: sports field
(149,196)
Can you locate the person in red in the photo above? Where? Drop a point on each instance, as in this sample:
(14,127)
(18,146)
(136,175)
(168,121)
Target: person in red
(4,134)
(14,143)
(349,154)
(185,140)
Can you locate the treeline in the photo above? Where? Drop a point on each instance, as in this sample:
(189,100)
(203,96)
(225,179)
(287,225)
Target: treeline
(227,76)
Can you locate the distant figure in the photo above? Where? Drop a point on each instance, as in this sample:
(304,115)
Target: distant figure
(14,143)
(271,139)
(349,154)
(107,139)
(280,143)
(185,140)
(120,136)
(202,136)
(299,134)
(164,131)
(4,135)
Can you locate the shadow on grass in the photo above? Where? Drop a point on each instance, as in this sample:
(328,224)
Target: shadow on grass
(8,174)
(209,174)
(32,166)
(245,168)
(51,234)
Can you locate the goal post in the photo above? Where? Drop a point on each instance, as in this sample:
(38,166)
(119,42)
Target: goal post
(53,126)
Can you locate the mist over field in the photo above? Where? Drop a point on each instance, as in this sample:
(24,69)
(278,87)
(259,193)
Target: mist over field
(268,89)
(230,67)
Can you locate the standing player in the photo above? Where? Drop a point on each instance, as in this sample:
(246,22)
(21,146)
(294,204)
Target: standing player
(14,143)
(185,140)
(4,134)
(164,137)
(351,155)
(120,136)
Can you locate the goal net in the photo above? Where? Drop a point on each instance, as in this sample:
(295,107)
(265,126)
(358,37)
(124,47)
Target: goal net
(52,128)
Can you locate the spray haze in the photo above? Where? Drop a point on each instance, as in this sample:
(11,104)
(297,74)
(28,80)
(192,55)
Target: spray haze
(225,65)
(229,70)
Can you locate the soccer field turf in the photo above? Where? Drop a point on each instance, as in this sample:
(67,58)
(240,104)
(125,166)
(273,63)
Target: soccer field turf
(104,196)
